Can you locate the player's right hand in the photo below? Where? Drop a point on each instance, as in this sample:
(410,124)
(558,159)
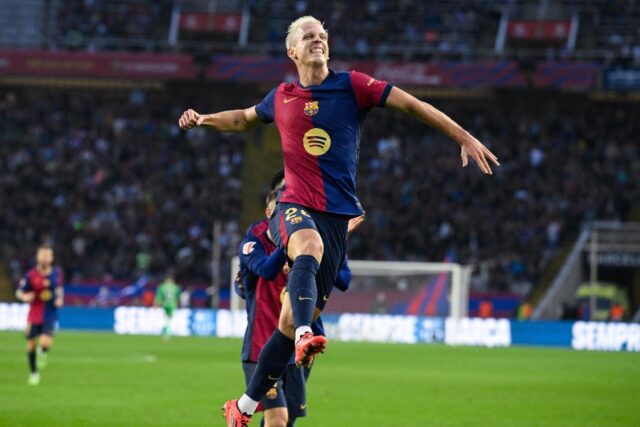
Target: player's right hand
(27,297)
(189,119)
(471,147)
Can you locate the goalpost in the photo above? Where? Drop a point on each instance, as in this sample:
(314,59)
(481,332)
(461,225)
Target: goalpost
(396,287)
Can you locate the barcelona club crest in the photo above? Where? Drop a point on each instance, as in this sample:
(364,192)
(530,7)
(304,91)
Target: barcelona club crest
(311,108)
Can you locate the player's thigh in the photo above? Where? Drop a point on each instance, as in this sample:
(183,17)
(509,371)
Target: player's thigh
(289,219)
(33,331)
(306,241)
(276,417)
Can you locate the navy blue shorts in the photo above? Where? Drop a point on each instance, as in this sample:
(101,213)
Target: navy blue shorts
(290,392)
(290,217)
(35,330)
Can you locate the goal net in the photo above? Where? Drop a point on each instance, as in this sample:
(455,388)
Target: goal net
(430,289)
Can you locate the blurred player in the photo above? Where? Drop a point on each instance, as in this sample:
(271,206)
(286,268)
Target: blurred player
(261,283)
(167,297)
(42,288)
(319,119)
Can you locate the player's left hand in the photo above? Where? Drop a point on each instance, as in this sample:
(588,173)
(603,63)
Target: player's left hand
(354,223)
(471,147)
(58,303)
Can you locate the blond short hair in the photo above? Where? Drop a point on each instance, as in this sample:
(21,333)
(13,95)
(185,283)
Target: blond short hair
(296,25)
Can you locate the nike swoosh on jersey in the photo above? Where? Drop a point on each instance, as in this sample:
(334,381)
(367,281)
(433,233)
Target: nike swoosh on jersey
(288,100)
(273,379)
(304,298)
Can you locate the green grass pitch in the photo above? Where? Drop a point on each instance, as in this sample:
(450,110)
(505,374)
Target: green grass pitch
(101,379)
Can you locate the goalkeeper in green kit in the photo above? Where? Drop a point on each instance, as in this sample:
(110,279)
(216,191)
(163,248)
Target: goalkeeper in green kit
(167,296)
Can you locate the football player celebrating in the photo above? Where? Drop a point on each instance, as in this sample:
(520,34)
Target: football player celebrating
(319,119)
(42,288)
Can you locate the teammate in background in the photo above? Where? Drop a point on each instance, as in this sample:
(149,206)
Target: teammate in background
(42,288)
(261,283)
(167,297)
(319,119)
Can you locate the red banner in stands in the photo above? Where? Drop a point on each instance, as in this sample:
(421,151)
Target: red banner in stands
(446,74)
(105,65)
(539,30)
(211,22)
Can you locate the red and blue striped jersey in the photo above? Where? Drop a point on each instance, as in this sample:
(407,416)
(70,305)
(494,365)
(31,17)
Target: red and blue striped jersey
(263,280)
(42,309)
(320,131)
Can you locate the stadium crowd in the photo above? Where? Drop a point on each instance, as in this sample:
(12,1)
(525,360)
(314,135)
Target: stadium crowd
(103,24)
(108,177)
(560,167)
(121,191)
(378,29)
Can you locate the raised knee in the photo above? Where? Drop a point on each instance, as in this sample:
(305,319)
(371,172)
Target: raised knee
(277,419)
(313,247)
(278,422)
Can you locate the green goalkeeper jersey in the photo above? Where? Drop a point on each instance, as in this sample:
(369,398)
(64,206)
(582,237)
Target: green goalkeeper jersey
(168,294)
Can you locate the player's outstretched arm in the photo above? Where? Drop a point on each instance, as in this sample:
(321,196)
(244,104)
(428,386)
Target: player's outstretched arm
(225,121)
(470,146)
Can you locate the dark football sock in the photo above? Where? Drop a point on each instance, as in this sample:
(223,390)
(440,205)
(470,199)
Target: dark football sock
(302,289)
(32,361)
(272,362)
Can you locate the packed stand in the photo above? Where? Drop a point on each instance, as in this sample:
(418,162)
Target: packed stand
(387,28)
(559,168)
(371,29)
(612,27)
(109,178)
(109,25)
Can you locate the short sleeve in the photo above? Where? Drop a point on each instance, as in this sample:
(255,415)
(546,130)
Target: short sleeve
(265,109)
(369,91)
(24,284)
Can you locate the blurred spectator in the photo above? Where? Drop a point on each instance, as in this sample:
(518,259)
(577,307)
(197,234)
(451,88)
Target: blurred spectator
(111,24)
(116,186)
(185,297)
(148,297)
(103,299)
(525,310)
(558,170)
(485,309)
